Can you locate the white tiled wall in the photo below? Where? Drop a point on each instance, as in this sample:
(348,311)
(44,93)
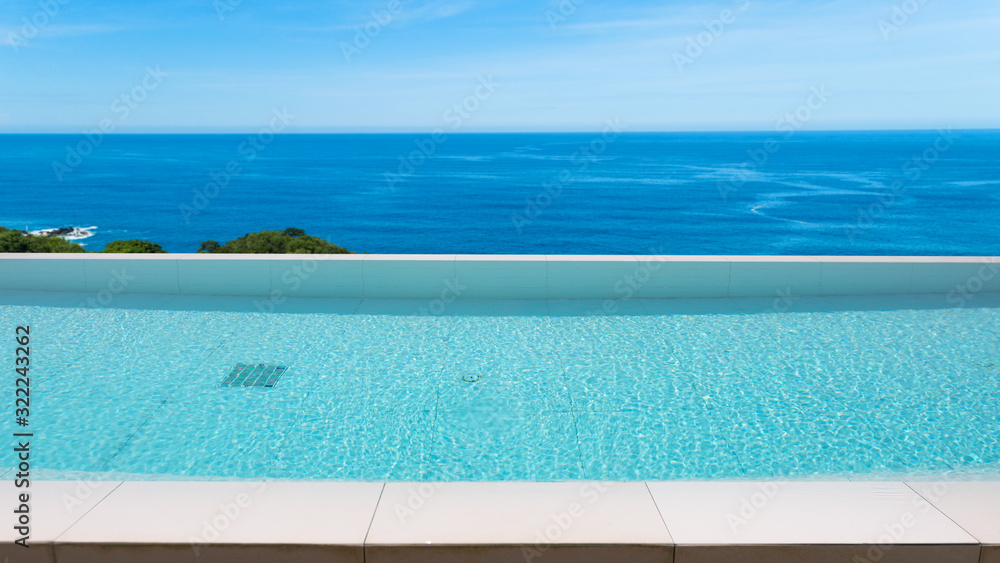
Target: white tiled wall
(501,277)
(765,279)
(514,277)
(229,277)
(571,277)
(317,278)
(675,278)
(407,277)
(41,274)
(132,276)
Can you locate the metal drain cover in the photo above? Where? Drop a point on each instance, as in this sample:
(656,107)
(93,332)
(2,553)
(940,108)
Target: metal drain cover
(254,375)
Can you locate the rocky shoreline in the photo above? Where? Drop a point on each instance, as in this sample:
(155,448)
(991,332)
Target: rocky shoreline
(68,233)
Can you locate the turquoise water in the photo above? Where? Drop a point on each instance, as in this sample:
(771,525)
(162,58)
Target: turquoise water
(545,390)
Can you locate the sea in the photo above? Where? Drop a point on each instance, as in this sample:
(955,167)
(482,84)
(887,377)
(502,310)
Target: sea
(605,192)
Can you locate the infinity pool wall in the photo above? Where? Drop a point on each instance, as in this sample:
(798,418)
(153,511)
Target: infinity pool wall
(452,277)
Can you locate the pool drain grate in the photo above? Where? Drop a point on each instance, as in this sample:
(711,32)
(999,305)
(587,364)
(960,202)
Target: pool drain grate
(254,375)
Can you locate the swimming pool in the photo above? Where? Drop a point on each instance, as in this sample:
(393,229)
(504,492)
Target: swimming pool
(832,387)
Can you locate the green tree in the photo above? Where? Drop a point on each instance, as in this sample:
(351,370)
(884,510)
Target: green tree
(208,246)
(20,241)
(289,241)
(134,247)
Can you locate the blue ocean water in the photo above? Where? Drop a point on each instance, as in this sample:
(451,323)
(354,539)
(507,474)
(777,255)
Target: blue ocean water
(830,193)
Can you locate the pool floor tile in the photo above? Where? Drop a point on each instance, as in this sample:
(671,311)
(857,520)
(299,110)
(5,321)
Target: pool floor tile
(359,442)
(98,417)
(636,445)
(490,444)
(780,445)
(835,385)
(188,434)
(504,385)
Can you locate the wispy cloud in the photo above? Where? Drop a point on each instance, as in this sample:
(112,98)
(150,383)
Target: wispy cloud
(13,35)
(435,10)
(606,58)
(58,30)
(628,24)
(411,13)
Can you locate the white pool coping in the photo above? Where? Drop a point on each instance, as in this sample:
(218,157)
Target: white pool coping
(460,277)
(701,522)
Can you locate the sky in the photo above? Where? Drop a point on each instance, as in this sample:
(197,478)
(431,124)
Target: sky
(68,66)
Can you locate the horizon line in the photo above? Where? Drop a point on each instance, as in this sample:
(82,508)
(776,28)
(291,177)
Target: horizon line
(500,132)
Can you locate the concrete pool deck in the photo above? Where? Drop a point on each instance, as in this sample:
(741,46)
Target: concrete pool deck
(683,522)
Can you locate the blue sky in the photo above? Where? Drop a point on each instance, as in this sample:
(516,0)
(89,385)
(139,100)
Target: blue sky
(555,65)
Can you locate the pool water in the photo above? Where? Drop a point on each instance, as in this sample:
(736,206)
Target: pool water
(511,390)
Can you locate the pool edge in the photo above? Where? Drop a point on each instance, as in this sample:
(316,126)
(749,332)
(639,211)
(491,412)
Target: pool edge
(655,521)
